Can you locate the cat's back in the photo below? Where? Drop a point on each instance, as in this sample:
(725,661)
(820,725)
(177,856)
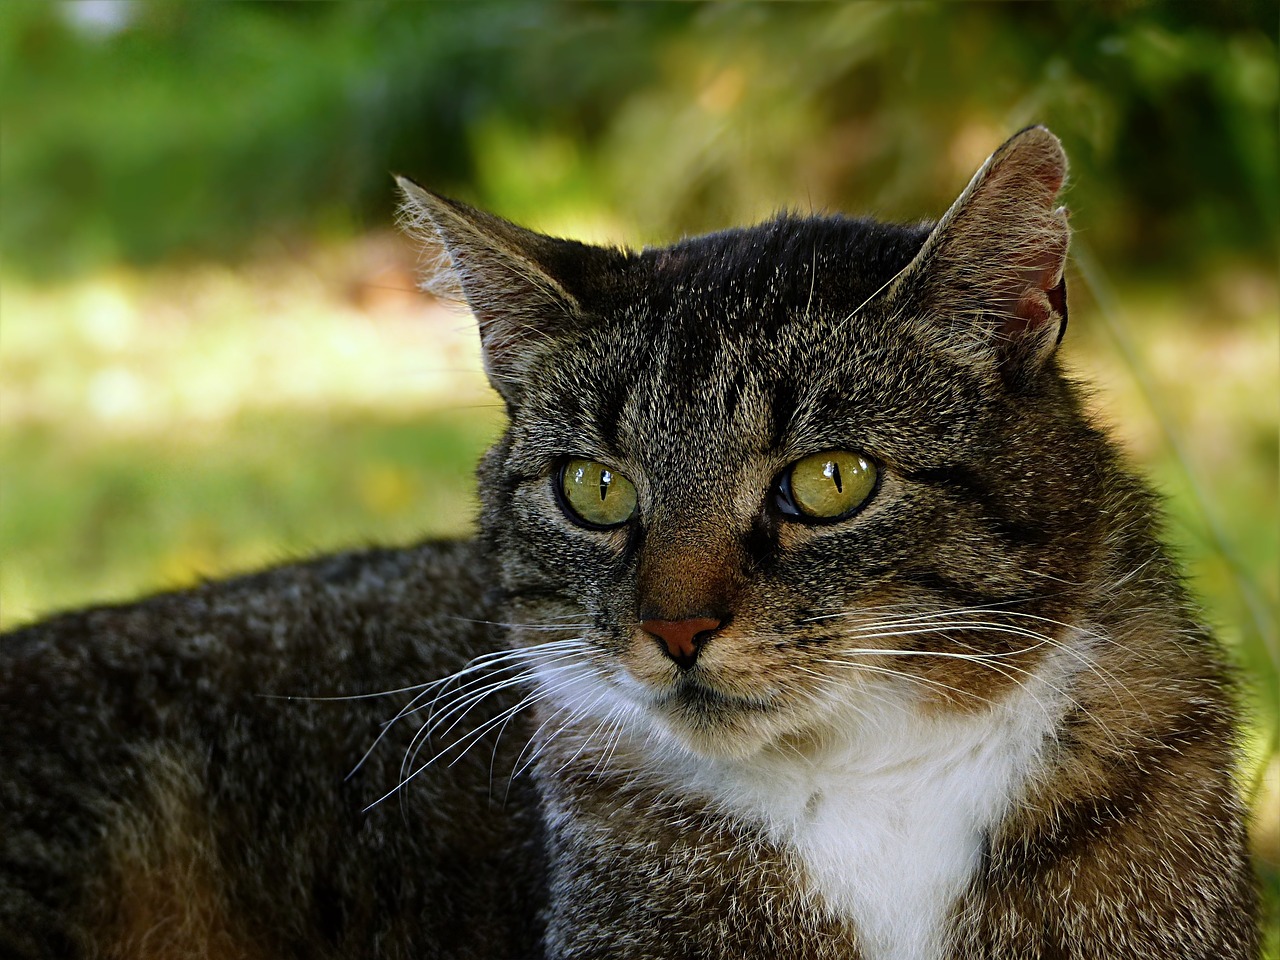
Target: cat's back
(229,821)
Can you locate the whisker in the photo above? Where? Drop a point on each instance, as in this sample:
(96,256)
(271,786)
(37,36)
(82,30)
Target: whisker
(465,701)
(334,698)
(1007,670)
(472,692)
(586,740)
(476,698)
(482,662)
(528,626)
(473,735)
(520,767)
(928,681)
(956,620)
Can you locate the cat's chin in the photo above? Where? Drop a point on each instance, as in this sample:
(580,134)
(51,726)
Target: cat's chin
(699,720)
(693,715)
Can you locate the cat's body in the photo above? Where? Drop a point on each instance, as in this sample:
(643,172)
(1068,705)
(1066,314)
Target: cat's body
(160,800)
(834,629)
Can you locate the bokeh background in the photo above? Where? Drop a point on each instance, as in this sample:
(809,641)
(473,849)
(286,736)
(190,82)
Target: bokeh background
(212,357)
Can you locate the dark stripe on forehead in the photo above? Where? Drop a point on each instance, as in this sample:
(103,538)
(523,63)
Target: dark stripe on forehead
(782,411)
(763,274)
(735,387)
(611,401)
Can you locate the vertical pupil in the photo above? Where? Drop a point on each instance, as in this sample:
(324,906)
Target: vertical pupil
(831,470)
(605,479)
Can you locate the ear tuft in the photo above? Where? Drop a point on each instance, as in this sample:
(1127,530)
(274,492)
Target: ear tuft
(436,272)
(988,283)
(506,274)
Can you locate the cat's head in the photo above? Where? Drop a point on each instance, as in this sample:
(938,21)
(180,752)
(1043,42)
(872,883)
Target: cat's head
(758,475)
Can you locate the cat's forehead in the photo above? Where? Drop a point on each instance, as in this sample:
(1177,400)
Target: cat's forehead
(753,281)
(731,333)
(739,342)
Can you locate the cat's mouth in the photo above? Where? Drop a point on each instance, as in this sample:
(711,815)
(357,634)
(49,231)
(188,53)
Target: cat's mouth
(693,697)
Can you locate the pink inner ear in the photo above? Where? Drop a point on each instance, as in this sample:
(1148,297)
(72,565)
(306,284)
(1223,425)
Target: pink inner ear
(1037,307)
(1051,174)
(1044,295)
(1032,310)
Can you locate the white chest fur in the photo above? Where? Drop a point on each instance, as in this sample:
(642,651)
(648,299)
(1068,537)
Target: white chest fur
(889,822)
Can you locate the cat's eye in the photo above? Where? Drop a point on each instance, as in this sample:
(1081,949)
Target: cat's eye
(594,495)
(826,486)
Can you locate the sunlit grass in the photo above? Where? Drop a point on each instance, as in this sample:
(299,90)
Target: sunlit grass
(160,427)
(104,519)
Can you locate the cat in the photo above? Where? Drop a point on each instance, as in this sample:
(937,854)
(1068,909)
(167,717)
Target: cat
(810,616)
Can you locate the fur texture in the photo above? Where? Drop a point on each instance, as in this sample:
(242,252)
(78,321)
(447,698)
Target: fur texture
(972,717)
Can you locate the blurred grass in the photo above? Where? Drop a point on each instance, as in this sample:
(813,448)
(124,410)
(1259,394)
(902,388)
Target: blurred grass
(107,518)
(159,426)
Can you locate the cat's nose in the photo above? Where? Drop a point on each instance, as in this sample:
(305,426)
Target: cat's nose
(682,639)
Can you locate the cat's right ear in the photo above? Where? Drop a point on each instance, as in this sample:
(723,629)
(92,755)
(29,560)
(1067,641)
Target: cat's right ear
(510,277)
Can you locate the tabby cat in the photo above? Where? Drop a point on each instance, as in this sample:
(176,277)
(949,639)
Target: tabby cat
(810,617)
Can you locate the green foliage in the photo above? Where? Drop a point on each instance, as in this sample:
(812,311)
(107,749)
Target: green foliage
(226,128)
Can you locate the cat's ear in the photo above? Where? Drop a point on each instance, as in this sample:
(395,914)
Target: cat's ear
(988,283)
(506,274)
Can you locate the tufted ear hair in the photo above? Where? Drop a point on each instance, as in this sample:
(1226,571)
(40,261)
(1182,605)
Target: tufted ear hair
(988,283)
(515,281)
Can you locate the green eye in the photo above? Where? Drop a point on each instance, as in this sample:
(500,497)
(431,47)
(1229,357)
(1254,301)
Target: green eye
(596,496)
(827,486)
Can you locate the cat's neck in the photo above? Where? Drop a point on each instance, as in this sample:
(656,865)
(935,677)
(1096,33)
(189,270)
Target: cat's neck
(888,815)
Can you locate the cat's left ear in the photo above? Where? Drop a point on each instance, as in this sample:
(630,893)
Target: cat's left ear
(988,283)
(518,283)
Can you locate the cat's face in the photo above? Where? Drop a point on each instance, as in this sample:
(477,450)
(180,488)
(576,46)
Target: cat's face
(756,480)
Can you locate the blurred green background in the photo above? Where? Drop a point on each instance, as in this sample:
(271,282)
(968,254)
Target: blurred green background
(211,356)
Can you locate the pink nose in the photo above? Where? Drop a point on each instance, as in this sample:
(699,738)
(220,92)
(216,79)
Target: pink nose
(682,639)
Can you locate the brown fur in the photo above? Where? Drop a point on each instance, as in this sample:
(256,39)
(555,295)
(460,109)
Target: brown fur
(161,896)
